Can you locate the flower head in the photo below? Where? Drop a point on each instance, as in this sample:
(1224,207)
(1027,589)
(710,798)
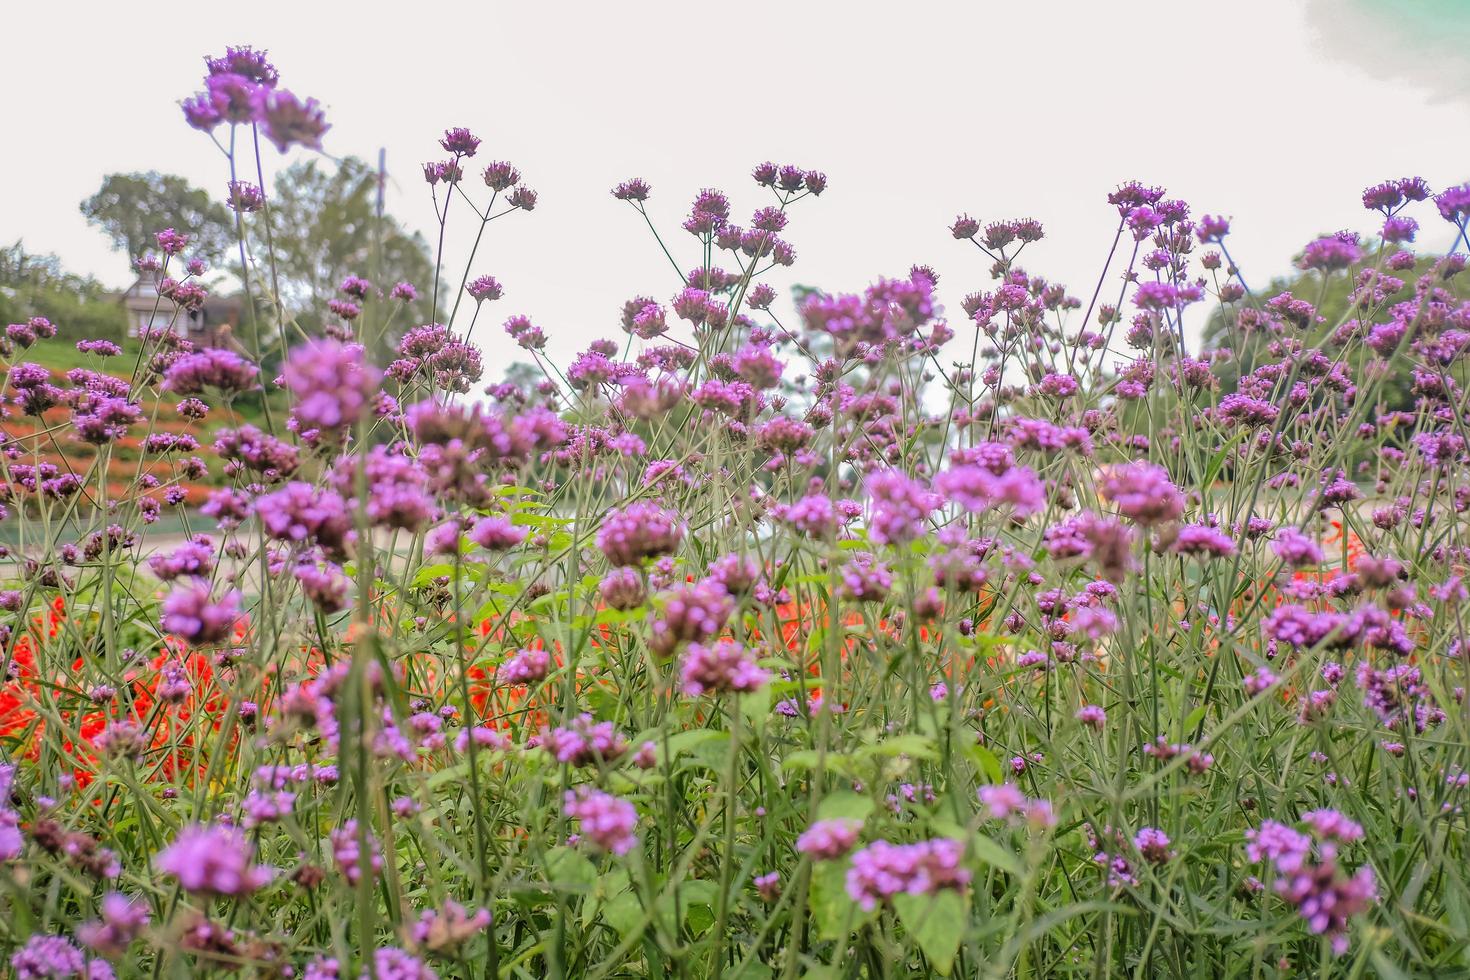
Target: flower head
(332,382)
(1143,492)
(640,530)
(288,121)
(827,840)
(721,668)
(211,367)
(606,821)
(882,870)
(193,614)
(213,860)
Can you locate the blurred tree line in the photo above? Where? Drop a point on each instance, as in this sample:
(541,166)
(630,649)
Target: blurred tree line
(1332,298)
(324,225)
(36,285)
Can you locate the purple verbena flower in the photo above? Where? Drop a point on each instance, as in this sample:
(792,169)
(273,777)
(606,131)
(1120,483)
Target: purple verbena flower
(604,820)
(193,614)
(640,530)
(213,860)
(827,840)
(721,668)
(882,870)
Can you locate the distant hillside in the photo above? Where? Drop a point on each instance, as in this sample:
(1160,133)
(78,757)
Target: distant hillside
(49,439)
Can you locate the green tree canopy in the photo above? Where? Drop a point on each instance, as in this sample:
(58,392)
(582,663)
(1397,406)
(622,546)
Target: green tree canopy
(131,208)
(32,284)
(324,227)
(1331,298)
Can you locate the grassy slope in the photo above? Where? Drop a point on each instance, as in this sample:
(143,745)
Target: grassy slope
(51,441)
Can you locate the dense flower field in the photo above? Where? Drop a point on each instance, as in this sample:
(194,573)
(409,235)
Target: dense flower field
(1030,640)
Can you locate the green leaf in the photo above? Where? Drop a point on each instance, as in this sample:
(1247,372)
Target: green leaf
(699,918)
(844,805)
(810,758)
(754,970)
(1218,461)
(705,743)
(698,892)
(623,912)
(713,753)
(1385,967)
(566,868)
(833,912)
(995,854)
(755,707)
(611,884)
(1195,717)
(986,760)
(450,774)
(917,746)
(617,617)
(779,687)
(428,573)
(936,924)
(538,520)
(697,901)
(805,759)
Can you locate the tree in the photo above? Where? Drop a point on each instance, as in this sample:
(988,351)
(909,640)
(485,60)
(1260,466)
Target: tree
(1331,300)
(36,285)
(324,227)
(132,208)
(523,375)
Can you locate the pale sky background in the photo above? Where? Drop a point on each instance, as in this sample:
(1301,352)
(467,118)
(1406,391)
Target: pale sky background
(1275,112)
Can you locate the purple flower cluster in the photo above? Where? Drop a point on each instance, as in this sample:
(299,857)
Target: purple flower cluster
(882,870)
(193,558)
(1153,845)
(193,614)
(689,614)
(356,851)
(1143,492)
(585,742)
(900,506)
(332,382)
(241,89)
(213,860)
(525,667)
(1399,697)
(979,487)
(608,822)
(828,840)
(1310,877)
(1005,801)
(302,514)
(210,368)
(122,921)
(721,668)
(891,309)
(448,926)
(46,957)
(638,531)
(1296,549)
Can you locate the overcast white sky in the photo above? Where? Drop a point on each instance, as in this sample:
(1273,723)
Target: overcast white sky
(1276,112)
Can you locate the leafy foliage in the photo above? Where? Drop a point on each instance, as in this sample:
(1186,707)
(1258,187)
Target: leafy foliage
(36,285)
(131,208)
(324,225)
